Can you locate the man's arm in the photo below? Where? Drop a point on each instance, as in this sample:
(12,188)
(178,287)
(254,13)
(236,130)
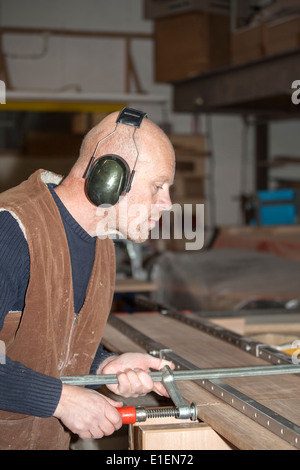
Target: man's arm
(90,414)
(25,391)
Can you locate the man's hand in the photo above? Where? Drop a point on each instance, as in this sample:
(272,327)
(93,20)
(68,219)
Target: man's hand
(88,413)
(133,370)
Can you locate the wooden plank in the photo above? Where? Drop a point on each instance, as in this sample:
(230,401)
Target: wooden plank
(61,106)
(134,285)
(205,351)
(116,342)
(281,240)
(241,431)
(214,353)
(75,32)
(196,346)
(175,435)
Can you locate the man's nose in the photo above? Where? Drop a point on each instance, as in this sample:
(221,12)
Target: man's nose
(165,202)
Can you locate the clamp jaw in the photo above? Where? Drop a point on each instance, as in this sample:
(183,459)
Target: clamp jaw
(184,411)
(131,415)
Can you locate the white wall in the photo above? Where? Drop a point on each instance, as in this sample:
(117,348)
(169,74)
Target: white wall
(94,64)
(233,167)
(97,65)
(285,141)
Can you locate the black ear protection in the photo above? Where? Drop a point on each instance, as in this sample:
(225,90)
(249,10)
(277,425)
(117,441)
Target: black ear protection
(109,176)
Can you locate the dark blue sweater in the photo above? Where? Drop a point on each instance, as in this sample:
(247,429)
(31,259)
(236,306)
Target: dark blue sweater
(23,390)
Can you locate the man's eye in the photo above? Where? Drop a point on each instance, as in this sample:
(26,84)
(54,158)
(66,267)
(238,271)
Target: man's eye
(157,187)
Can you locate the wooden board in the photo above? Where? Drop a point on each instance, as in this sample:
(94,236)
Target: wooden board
(176,435)
(280,393)
(131,285)
(281,240)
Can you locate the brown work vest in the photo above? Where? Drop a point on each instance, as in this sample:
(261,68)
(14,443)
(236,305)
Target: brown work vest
(47,336)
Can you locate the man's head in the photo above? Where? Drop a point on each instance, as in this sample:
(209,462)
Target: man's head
(137,210)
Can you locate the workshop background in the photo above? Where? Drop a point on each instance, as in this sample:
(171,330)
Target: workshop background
(222,79)
(219,77)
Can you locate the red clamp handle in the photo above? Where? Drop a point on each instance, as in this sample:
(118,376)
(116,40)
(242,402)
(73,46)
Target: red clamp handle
(128,414)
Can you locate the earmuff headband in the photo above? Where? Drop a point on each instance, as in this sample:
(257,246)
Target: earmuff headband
(131,117)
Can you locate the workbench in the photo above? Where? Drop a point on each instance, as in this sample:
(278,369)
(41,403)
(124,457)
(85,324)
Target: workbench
(249,413)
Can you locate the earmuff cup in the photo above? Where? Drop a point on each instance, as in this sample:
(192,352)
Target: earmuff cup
(109,176)
(107,180)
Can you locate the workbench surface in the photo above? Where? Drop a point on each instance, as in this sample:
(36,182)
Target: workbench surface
(278,393)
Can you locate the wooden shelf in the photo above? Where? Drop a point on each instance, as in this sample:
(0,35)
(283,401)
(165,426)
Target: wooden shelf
(259,87)
(281,161)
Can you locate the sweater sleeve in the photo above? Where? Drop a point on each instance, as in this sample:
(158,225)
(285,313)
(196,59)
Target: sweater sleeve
(22,390)
(100,356)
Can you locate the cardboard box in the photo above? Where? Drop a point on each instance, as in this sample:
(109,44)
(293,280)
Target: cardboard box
(188,144)
(265,39)
(189,45)
(82,122)
(191,165)
(248,44)
(282,36)
(188,190)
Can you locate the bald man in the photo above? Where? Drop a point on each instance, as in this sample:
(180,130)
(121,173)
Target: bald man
(57,281)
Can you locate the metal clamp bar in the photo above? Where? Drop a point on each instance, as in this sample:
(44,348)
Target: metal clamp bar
(197,374)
